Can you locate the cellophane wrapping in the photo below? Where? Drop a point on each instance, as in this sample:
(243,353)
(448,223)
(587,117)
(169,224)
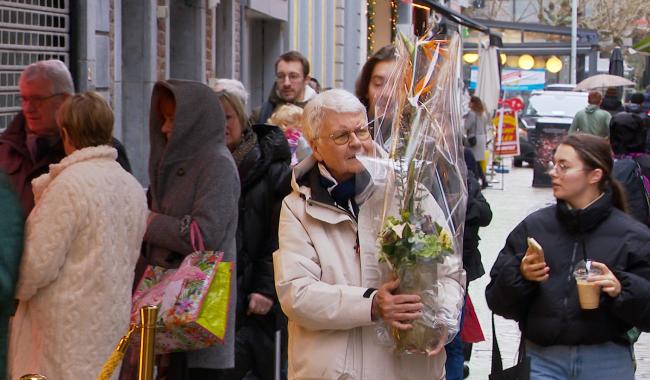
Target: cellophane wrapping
(421,210)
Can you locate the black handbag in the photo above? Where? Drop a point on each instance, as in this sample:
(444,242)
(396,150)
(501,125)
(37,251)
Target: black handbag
(521,371)
(471,141)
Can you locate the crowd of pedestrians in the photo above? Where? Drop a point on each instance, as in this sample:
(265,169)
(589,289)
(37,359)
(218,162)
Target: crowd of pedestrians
(281,193)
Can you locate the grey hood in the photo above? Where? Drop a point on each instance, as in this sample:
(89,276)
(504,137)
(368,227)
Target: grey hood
(199,123)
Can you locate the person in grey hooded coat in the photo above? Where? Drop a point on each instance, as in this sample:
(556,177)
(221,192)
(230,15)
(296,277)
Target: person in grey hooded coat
(192,178)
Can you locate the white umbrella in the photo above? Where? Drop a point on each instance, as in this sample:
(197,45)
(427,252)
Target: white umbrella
(602,81)
(488,84)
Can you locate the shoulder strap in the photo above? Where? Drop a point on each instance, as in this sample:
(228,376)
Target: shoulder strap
(195,237)
(497,363)
(265,112)
(644,179)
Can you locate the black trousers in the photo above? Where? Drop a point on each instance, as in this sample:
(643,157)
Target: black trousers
(254,353)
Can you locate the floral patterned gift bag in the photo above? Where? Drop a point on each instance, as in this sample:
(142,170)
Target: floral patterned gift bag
(193,299)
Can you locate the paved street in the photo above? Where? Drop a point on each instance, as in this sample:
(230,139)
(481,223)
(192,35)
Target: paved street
(510,206)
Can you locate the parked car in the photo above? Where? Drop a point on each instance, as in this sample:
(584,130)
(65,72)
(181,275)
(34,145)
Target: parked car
(557,106)
(560,87)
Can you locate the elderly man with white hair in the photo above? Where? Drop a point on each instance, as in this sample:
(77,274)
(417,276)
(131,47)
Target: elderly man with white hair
(327,275)
(32,141)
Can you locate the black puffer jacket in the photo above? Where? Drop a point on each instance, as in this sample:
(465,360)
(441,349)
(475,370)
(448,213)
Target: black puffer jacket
(549,313)
(265,180)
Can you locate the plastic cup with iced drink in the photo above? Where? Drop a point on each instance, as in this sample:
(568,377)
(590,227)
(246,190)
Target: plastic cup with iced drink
(588,292)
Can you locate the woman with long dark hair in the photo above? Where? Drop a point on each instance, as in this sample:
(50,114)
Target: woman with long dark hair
(587,227)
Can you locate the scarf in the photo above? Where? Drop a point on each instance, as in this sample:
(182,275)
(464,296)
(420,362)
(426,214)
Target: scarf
(247,143)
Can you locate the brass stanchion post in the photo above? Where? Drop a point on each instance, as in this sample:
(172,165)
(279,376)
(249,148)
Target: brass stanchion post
(148,316)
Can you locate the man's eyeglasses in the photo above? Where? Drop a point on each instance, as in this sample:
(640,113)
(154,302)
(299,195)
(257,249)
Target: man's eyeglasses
(294,77)
(37,101)
(342,138)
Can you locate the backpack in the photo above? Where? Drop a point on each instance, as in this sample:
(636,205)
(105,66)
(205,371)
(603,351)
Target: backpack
(630,172)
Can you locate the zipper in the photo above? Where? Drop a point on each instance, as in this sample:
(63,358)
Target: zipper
(357,245)
(565,302)
(337,209)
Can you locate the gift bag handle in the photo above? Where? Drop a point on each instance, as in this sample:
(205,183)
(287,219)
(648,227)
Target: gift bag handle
(195,237)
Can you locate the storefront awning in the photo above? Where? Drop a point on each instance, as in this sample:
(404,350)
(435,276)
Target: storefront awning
(462,20)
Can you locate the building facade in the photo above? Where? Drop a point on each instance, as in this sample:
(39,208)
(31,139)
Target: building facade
(120,48)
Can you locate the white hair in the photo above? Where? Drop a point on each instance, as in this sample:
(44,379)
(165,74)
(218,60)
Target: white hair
(52,70)
(232,86)
(335,101)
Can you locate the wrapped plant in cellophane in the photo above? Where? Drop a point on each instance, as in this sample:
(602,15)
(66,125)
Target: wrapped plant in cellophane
(423,210)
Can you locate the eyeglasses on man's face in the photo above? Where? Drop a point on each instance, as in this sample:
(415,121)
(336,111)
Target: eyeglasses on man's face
(343,137)
(293,77)
(36,100)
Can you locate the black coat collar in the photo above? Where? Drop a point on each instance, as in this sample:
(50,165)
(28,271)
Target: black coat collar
(584,220)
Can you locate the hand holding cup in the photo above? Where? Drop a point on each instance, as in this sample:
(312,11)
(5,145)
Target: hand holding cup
(607,280)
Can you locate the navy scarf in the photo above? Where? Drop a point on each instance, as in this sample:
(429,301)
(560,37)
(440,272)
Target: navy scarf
(343,193)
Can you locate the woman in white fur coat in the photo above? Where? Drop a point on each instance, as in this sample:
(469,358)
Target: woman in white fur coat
(82,242)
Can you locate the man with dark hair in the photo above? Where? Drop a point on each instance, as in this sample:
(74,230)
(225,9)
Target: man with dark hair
(373,77)
(369,85)
(291,86)
(592,119)
(32,141)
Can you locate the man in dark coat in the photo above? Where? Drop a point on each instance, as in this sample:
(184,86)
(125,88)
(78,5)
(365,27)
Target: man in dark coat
(629,141)
(627,126)
(291,86)
(32,141)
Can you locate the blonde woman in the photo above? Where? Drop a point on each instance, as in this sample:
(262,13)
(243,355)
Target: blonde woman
(262,155)
(82,242)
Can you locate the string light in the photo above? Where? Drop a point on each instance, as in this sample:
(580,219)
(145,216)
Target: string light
(393,20)
(370,14)
(371,26)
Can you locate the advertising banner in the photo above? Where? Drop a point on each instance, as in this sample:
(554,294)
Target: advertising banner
(548,135)
(515,79)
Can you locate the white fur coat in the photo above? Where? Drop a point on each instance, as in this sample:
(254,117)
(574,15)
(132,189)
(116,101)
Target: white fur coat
(82,241)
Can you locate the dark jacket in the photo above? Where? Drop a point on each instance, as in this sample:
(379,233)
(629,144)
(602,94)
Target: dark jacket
(645,106)
(193,178)
(478,214)
(17,163)
(11,248)
(628,130)
(549,312)
(265,178)
(260,115)
(628,170)
(611,104)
